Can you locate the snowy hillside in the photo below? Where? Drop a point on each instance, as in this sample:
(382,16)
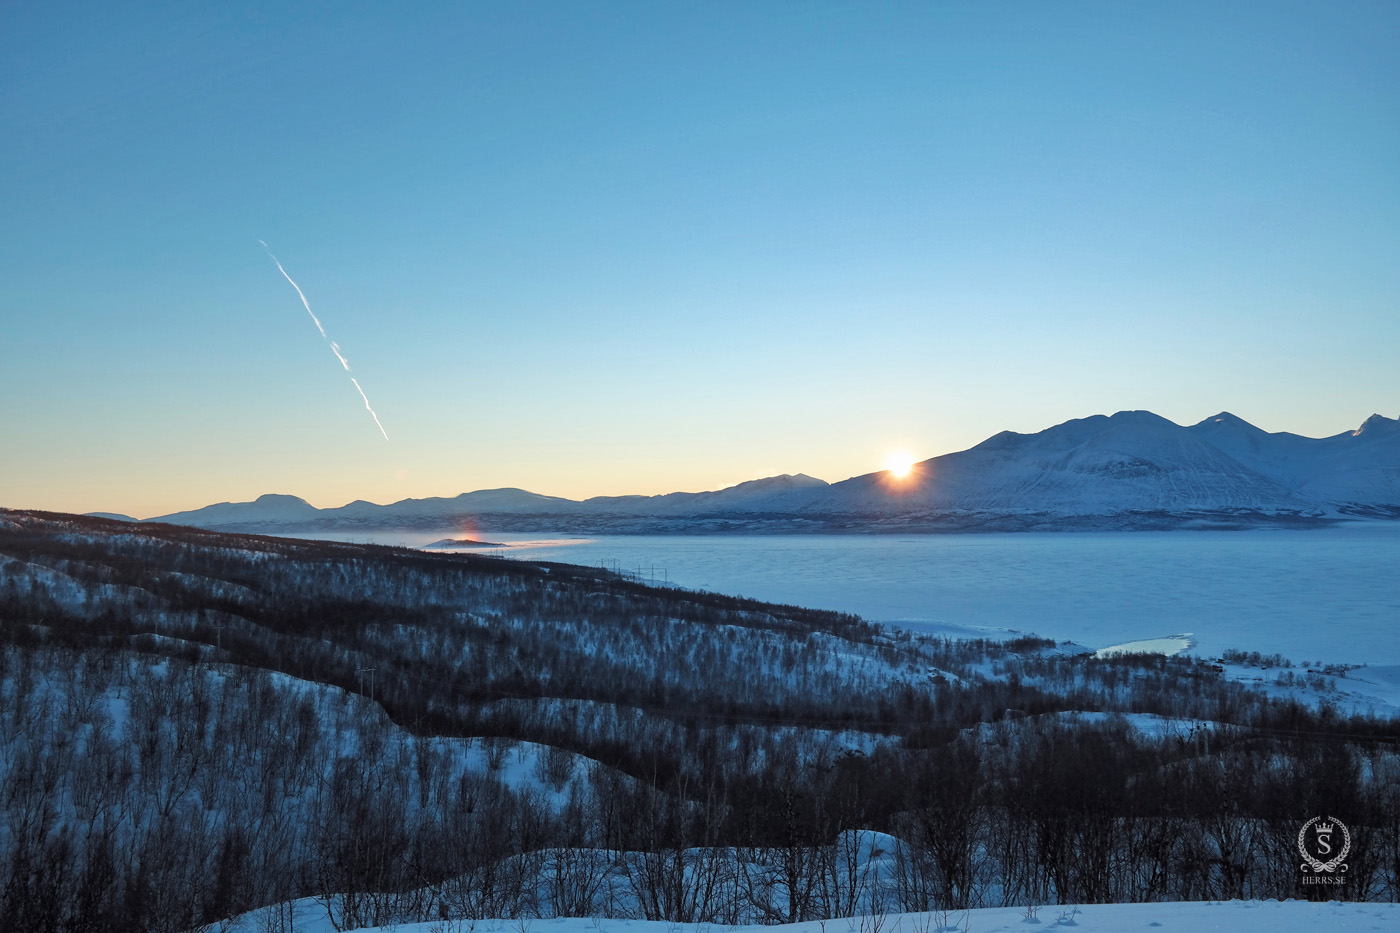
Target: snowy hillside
(196,725)
(1173,917)
(1133,469)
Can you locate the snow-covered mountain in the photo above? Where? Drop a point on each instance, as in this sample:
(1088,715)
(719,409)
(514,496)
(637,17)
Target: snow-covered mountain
(115,516)
(270,509)
(1132,461)
(1355,471)
(508,509)
(771,494)
(1133,469)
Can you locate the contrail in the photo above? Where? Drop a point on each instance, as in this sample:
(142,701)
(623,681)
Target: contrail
(304,303)
(367,405)
(335,347)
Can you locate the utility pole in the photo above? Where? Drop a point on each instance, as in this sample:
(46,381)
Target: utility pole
(370,671)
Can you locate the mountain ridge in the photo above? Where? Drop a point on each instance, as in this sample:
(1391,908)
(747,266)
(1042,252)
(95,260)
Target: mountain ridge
(1132,469)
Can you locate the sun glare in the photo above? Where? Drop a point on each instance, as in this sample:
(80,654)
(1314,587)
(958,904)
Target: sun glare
(899,464)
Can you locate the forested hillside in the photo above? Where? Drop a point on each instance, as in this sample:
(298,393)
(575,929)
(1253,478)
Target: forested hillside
(196,724)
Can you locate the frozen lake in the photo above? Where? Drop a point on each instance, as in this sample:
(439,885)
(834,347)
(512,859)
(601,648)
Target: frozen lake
(1327,595)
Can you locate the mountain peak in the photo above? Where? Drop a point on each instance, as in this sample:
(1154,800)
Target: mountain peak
(1074,432)
(1139,417)
(1226,424)
(783,480)
(1378,425)
(273,498)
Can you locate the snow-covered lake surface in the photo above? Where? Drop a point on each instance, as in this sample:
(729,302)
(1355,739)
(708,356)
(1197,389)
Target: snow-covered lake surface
(1330,595)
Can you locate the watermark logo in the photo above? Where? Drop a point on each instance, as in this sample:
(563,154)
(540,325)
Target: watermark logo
(1324,843)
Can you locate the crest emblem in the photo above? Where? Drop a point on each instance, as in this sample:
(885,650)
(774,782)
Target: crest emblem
(1318,841)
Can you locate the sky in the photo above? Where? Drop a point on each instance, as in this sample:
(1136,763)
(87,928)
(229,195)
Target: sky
(612,248)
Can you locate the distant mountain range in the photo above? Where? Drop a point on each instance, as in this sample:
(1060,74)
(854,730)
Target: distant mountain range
(1132,470)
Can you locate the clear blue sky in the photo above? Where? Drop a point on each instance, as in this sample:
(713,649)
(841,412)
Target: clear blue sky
(603,248)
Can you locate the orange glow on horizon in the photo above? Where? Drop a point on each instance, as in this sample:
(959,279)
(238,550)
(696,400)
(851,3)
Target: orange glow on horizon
(899,465)
(467,530)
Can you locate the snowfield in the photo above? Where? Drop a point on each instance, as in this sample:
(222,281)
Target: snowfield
(1171,917)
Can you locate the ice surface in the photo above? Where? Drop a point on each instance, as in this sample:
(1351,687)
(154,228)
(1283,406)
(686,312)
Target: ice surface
(1168,645)
(1329,595)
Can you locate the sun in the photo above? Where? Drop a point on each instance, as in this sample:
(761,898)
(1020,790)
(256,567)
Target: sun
(899,464)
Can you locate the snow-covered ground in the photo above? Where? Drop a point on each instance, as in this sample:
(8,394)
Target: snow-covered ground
(1146,725)
(1354,688)
(1232,916)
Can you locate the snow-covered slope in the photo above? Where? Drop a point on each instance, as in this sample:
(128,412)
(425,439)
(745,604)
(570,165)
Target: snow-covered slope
(1353,471)
(310,916)
(1132,469)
